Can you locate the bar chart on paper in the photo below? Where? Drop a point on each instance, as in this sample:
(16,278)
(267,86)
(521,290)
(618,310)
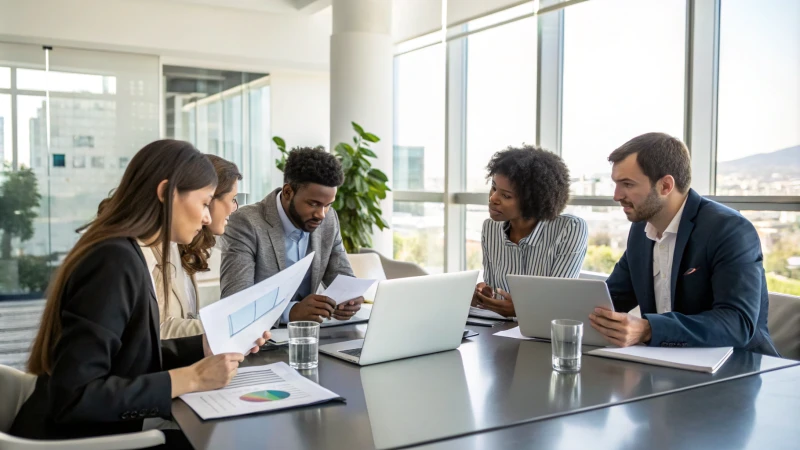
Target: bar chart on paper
(244,316)
(259,389)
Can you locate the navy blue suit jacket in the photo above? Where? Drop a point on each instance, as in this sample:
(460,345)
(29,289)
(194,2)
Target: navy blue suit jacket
(718,286)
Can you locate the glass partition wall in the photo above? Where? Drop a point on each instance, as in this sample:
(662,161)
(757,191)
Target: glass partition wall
(70,120)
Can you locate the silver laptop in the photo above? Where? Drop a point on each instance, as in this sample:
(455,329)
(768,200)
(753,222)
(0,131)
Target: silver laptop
(412,316)
(539,300)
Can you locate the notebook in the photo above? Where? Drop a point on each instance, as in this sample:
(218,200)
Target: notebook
(697,359)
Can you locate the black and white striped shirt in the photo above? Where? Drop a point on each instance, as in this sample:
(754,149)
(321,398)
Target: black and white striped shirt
(555,248)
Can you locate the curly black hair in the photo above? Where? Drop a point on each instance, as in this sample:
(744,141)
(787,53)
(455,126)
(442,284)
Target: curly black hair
(540,180)
(312,165)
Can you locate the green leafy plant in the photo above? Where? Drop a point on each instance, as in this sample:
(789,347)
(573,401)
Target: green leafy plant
(19,198)
(358,199)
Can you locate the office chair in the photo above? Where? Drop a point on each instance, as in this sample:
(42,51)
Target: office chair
(783,321)
(16,387)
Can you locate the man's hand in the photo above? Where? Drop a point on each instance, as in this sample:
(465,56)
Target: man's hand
(348,309)
(504,307)
(481,288)
(314,308)
(621,329)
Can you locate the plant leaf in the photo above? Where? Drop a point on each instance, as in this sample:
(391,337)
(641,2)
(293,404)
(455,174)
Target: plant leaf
(279,142)
(358,128)
(368,152)
(370,137)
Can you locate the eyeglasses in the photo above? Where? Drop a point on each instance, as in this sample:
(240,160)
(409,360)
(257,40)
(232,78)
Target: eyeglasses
(236,202)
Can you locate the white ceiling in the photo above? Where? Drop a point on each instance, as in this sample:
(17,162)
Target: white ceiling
(268,6)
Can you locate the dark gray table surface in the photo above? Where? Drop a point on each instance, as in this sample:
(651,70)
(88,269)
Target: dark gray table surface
(489,383)
(756,412)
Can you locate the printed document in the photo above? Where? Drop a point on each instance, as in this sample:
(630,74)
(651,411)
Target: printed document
(346,288)
(234,323)
(259,389)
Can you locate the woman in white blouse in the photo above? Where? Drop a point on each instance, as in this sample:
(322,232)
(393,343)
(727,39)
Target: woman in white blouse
(527,234)
(178,310)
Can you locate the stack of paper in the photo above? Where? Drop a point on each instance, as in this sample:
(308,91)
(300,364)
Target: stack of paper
(697,359)
(259,389)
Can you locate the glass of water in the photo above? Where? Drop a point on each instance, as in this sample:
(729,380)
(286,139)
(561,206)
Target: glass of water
(566,336)
(303,345)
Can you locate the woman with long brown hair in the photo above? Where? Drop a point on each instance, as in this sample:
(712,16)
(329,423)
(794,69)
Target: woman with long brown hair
(101,365)
(178,309)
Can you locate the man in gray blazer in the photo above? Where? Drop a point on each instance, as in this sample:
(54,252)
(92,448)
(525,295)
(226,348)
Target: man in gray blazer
(266,237)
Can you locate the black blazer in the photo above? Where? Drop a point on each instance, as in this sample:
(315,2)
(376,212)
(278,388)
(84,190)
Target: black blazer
(109,367)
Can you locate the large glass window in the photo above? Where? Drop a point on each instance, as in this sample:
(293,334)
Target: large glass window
(419,105)
(779,232)
(758,140)
(501,94)
(418,234)
(624,72)
(225,113)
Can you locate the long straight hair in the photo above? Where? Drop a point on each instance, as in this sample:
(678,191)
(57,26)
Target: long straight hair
(133,211)
(194,257)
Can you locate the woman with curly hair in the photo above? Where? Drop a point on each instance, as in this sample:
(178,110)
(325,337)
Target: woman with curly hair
(178,310)
(527,234)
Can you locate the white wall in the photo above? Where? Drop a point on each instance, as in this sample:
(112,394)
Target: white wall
(300,111)
(182,33)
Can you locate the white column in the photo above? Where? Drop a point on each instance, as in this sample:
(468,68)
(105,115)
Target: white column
(361,85)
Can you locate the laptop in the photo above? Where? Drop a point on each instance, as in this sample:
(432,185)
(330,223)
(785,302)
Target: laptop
(540,300)
(411,317)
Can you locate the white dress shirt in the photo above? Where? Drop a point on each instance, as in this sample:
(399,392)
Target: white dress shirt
(663,253)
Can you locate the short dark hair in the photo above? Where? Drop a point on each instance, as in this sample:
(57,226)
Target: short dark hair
(312,165)
(659,155)
(540,180)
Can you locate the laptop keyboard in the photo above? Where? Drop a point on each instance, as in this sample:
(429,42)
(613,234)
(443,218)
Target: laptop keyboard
(352,352)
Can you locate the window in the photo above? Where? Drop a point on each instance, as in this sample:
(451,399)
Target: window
(501,94)
(758,137)
(225,113)
(476,215)
(92,127)
(5,130)
(418,234)
(419,105)
(624,72)
(779,232)
(608,235)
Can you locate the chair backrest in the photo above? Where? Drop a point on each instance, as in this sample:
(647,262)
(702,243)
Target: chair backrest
(367,265)
(784,324)
(397,269)
(15,388)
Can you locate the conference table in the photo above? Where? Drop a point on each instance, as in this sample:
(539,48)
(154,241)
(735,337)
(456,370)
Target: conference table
(498,392)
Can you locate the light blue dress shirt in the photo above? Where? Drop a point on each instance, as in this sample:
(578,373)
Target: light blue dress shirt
(296,241)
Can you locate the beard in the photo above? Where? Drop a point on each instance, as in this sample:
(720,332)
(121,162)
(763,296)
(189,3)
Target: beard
(298,220)
(651,206)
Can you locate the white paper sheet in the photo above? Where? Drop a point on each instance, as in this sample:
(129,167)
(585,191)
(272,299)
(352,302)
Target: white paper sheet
(259,389)
(346,288)
(234,323)
(516,334)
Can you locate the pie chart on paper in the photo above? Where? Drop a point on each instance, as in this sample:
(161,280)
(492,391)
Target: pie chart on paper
(264,396)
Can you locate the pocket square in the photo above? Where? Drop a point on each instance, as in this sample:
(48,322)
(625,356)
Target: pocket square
(690,271)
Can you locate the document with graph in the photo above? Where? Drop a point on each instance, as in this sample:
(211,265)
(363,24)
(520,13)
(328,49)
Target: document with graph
(234,323)
(259,389)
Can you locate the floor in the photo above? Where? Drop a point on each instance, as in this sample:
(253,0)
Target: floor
(19,321)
